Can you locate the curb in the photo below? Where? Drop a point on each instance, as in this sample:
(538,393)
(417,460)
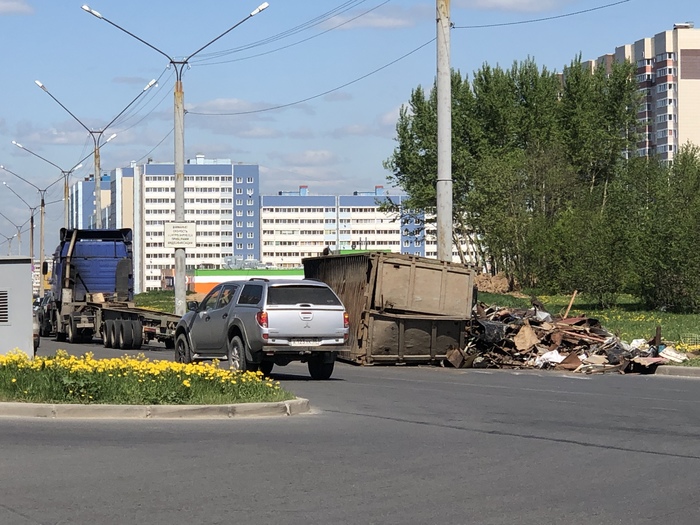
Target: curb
(677,371)
(241,410)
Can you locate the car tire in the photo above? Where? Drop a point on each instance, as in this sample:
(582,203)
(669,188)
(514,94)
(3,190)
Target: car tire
(235,354)
(183,354)
(266,367)
(108,334)
(319,370)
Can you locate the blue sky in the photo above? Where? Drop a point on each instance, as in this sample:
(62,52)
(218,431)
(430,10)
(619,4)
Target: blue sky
(309,90)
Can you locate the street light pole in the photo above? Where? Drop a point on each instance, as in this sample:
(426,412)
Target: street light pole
(179,146)
(65,174)
(18,234)
(42,193)
(32,210)
(96,138)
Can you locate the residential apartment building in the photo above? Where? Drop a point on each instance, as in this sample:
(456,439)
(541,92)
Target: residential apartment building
(236,227)
(296,224)
(221,198)
(81,203)
(668,78)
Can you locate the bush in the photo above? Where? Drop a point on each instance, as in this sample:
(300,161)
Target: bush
(129,381)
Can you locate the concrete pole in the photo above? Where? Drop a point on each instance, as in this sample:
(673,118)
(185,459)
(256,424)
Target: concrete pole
(98,186)
(180,291)
(65,199)
(41,246)
(444,131)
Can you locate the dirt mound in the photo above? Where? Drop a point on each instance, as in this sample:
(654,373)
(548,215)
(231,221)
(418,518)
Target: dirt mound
(492,283)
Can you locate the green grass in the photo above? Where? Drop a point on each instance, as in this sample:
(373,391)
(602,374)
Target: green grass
(129,381)
(628,320)
(160,300)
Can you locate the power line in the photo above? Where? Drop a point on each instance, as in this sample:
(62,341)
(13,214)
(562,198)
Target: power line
(542,19)
(319,94)
(348,21)
(297,29)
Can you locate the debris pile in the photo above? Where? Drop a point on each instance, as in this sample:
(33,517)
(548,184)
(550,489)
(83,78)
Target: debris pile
(532,338)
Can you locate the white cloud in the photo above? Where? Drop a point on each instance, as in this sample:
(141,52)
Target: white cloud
(338,96)
(390,17)
(15,7)
(512,5)
(354,130)
(308,158)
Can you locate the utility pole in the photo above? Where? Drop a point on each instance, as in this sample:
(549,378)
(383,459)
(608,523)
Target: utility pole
(444,132)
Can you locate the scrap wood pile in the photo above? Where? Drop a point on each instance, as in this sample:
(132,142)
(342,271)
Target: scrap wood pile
(532,338)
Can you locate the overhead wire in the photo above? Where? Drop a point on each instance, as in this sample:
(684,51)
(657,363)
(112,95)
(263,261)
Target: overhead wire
(544,19)
(301,101)
(342,8)
(257,55)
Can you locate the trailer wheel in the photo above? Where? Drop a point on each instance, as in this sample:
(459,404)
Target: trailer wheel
(183,354)
(71,336)
(319,370)
(108,334)
(137,333)
(125,335)
(235,354)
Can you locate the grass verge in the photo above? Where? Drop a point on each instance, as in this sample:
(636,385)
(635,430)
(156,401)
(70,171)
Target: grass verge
(129,381)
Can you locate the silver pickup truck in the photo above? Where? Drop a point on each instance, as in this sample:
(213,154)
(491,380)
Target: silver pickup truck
(256,324)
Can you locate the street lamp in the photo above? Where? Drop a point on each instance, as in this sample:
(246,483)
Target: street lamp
(64,174)
(42,193)
(96,138)
(9,241)
(18,234)
(179,162)
(32,210)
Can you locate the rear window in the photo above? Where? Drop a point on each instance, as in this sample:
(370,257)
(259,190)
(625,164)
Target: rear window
(302,294)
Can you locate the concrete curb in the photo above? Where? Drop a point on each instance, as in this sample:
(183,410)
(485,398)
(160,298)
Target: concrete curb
(677,371)
(242,410)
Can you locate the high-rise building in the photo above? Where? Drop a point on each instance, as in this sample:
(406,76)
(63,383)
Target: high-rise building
(221,198)
(668,78)
(296,224)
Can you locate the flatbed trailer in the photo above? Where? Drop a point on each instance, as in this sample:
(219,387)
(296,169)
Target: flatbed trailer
(119,324)
(92,293)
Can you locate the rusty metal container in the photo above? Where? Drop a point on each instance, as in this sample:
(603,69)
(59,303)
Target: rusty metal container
(381,290)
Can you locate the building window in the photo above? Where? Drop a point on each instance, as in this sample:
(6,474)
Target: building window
(250,180)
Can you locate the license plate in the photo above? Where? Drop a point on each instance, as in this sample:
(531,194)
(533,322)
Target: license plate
(304,342)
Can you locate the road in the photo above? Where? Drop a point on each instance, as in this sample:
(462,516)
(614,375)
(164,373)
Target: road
(385,445)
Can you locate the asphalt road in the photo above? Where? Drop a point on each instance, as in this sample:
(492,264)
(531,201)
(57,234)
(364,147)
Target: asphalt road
(385,445)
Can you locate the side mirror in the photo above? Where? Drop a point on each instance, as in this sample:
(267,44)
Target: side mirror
(45,268)
(192,305)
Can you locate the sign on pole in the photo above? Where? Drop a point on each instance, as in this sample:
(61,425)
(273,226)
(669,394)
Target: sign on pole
(180,235)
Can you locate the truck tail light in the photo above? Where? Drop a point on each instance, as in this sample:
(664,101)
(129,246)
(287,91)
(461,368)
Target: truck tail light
(346,320)
(261,318)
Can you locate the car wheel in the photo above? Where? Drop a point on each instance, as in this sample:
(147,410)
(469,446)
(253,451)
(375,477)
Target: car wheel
(235,354)
(320,370)
(266,367)
(183,354)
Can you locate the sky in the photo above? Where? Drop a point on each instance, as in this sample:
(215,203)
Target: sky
(309,90)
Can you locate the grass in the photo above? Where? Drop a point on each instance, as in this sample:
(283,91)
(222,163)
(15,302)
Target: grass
(628,320)
(129,381)
(160,300)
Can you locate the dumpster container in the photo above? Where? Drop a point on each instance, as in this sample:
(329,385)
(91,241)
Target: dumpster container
(374,283)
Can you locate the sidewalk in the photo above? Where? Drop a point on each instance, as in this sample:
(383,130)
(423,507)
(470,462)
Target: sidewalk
(678,371)
(282,408)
